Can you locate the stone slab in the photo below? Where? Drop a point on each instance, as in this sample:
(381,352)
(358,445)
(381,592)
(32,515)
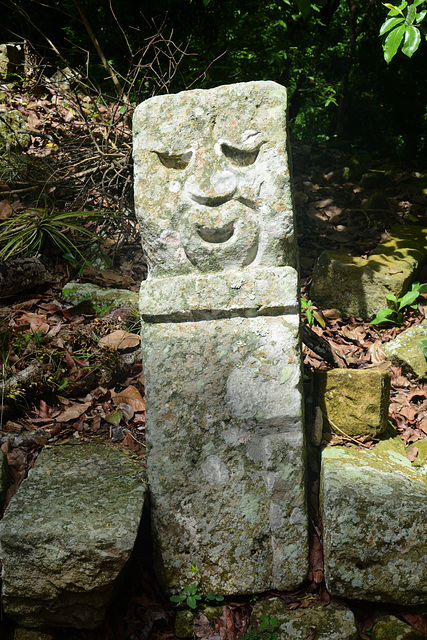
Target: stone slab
(247,293)
(374,516)
(67,535)
(354,401)
(75,292)
(359,287)
(225,453)
(405,351)
(333,622)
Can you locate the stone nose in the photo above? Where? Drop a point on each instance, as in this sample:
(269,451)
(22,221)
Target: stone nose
(212,188)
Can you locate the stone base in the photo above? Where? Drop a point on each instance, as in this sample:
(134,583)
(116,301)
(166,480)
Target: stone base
(225,453)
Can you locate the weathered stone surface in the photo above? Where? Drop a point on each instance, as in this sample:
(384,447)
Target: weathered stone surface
(226,454)
(11,122)
(212,184)
(405,351)
(251,292)
(4,476)
(359,287)
(75,292)
(334,622)
(373,505)
(67,535)
(220,339)
(388,627)
(354,401)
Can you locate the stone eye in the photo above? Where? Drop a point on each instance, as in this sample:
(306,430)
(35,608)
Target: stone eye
(179,161)
(239,157)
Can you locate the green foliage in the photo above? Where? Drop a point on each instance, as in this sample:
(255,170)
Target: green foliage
(403,26)
(39,230)
(190,596)
(311,313)
(266,627)
(394,313)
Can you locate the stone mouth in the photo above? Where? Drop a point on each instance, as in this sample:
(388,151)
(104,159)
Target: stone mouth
(217,235)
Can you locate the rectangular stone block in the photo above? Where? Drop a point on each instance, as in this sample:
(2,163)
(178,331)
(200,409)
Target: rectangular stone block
(354,402)
(374,516)
(226,453)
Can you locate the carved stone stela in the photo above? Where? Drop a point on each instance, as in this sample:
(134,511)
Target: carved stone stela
(221,349)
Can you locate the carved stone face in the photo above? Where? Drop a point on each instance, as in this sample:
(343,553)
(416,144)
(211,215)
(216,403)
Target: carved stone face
(211,179)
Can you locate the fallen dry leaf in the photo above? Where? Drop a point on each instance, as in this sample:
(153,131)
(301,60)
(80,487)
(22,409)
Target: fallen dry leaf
(120,340)
(73,412)
(130,396)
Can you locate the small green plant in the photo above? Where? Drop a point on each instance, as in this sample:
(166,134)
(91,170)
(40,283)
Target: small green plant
(45,230)
(394,313)
(190,596)
(266,626)
(35,336)
(311,313)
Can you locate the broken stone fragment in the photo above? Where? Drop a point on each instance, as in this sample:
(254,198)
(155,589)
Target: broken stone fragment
(354,402)
(407,352)
(67,535)
(388,627)
(359,287)
(373,506)
(332,622)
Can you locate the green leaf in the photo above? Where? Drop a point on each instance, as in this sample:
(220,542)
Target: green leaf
(390,23)
(393,9)
(180,598)
(264,622)
(408,298)
(410,14)
(412,41)
(384,315)
(392,43)
(192,601)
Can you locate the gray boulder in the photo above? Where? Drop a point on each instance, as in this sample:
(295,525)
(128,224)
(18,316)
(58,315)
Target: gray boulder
(333,622)
(374,516)
(67,535)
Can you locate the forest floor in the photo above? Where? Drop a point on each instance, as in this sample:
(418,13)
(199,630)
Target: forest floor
(344,202)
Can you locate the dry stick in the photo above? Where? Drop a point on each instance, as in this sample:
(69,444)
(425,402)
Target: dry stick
(100,52)
(345,434)
(133,438)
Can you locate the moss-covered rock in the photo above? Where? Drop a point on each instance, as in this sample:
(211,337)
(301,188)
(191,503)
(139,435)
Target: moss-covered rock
(388,627)
(75,292)
(333,622)
(184,621)
(67,535)
(359,287)
(11,124)
(354,401)
(405,351)
(373,505)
